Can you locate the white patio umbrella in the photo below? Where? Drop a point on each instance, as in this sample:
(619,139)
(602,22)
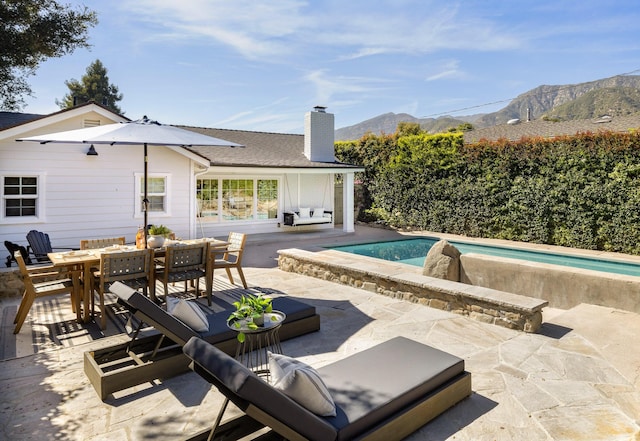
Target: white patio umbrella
(140,132)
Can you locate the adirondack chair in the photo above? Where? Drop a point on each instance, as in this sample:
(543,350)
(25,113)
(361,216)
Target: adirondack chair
(40,245)
(12,248)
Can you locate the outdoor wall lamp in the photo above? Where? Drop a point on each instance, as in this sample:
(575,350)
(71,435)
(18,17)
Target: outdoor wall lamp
(92,151)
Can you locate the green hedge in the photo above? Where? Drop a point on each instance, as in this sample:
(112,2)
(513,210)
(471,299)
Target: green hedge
(581,191)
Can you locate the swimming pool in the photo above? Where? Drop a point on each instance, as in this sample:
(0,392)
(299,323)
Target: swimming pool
(414,251)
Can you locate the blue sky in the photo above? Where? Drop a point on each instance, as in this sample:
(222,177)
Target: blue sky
(260,65)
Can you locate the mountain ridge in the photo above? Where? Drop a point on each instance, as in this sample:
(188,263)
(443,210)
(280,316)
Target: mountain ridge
(614,96)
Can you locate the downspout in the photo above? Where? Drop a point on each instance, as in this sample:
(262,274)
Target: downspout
(193,227)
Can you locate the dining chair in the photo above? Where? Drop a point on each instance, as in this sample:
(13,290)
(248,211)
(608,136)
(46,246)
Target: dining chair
(182,263)
(40,281)
(227,258)
(133,268)
(89,244)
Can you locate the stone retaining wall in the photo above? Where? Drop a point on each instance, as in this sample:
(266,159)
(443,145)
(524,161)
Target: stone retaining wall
(484,304)
(10,283)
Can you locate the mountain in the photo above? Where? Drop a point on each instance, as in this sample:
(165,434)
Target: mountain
(611,101)
(544,98)
(388,122)
(613,96)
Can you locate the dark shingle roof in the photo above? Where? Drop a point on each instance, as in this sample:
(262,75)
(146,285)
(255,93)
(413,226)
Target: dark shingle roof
(11,119)
(548,129)
(262,149)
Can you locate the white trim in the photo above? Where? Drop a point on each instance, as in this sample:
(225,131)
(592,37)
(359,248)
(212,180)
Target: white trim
(219,170)
(40,199)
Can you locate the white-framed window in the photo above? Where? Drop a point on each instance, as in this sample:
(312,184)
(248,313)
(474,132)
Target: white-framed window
(230,199)
(158,186)
(22,197)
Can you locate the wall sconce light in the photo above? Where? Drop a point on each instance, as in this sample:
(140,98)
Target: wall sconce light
(92,151)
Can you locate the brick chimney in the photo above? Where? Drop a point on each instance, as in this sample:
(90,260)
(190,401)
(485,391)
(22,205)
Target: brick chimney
(319,135)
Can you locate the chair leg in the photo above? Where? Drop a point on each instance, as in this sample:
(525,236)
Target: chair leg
(28,300)
(103,312)
(23,301)
(228,270)
(244,281)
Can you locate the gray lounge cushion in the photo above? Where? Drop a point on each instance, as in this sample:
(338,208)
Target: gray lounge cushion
(218,331)
(368,388)
(372,385)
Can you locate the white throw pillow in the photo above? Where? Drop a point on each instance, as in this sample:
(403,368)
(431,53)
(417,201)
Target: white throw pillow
(318,212)
(301,383)
(189,313)
(305,212)
(295,216)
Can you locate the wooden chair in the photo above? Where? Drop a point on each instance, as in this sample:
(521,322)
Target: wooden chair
(41,281)
(182,263)
(40,245)
(227,258)
(133,268)
(13,248)
(89,244)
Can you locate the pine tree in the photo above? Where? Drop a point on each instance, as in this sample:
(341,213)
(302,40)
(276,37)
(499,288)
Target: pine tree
(94,86)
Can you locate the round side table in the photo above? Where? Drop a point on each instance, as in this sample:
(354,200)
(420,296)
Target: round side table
(253,352)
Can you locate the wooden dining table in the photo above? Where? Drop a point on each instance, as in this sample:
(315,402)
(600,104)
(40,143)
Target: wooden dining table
(88,260)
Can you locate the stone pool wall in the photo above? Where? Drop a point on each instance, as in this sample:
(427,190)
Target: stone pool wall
(487,305)
(564,287)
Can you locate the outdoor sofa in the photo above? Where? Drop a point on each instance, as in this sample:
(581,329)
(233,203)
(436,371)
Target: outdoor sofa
(382,393)
(150,357)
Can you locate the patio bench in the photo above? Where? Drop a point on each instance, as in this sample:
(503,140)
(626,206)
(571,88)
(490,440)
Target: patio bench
(382,393)
(147,358)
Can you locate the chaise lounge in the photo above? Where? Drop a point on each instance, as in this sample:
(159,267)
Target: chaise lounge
(383,393)
(148,358)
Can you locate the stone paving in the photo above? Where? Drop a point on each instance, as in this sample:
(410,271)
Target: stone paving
(578,379)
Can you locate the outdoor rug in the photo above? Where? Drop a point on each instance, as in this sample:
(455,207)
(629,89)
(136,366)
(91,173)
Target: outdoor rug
(52,324)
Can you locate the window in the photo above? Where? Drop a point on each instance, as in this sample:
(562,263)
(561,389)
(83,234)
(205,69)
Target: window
(20,196)
(207,194)
(267,199)
(229,200)
(157,194)
(237,199)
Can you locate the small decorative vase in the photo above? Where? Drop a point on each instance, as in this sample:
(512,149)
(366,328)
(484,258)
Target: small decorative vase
(155,241)
(259,321)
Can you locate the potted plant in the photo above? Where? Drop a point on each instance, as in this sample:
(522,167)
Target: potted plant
(157,235)
(249,313)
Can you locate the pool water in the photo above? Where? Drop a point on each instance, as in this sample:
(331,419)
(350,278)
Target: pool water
(414,251)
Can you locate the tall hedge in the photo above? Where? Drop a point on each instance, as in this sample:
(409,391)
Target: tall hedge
(579,191)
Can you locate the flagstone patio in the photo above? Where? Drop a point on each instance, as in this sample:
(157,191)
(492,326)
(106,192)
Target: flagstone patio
(577,379)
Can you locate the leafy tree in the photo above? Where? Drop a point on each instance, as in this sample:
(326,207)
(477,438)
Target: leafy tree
(30,32)
(406,128)
(94,86)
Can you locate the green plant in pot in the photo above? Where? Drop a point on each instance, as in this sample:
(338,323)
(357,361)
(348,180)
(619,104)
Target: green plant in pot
(249,313)
(157,235)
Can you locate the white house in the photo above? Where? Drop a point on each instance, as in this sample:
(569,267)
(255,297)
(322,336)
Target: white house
(197,191)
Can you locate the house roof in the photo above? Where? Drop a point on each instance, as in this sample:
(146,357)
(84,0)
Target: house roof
(549,129)
(11,119)
(261,149)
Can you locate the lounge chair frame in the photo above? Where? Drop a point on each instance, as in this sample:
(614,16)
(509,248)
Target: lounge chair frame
(380,425)
(146,358)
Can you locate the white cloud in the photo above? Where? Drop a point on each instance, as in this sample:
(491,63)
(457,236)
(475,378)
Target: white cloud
(262,30)
(447,69)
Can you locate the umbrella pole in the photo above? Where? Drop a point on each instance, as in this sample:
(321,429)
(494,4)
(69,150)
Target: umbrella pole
(145,201)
